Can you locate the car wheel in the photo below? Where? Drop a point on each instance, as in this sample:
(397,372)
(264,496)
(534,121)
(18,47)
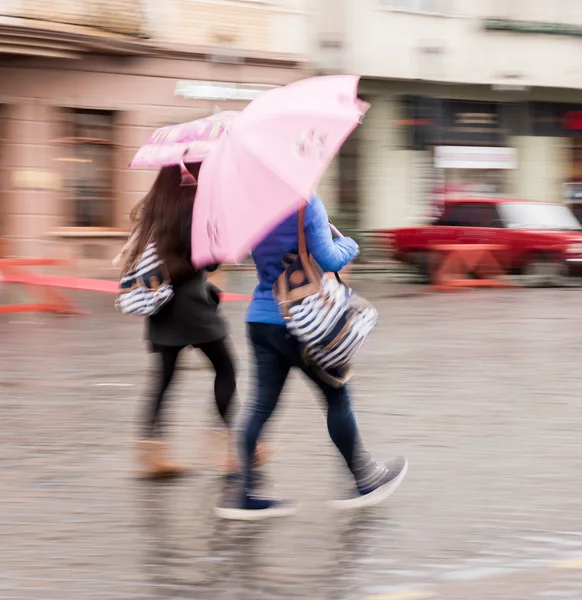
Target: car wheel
(542,270)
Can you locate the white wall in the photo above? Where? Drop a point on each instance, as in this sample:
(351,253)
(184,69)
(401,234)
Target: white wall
(380,42)
(543,164)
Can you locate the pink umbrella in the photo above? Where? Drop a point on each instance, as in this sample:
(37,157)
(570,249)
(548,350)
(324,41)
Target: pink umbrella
(269,163)
(187,142)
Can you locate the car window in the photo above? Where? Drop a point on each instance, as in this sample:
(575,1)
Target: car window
(451,216)
(470,214)
(484,215)
(539,216)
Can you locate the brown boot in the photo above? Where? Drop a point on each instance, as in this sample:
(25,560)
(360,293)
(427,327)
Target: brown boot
(155,463)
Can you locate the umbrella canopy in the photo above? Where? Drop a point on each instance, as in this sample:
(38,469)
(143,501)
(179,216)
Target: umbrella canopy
(187,142)
(269,163)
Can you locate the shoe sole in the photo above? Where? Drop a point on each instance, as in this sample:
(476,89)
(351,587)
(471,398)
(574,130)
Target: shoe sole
(373,498)
(238,514)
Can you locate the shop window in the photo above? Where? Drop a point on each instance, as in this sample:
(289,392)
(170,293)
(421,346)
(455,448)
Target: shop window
(432,121)
(476,183)
(87,156)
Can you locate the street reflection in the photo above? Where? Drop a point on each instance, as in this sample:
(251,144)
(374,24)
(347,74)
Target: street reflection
(190,554)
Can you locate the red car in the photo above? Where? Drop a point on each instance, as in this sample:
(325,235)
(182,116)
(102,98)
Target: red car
(542,241)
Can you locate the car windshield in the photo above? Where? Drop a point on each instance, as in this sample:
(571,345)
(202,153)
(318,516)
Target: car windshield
(538,215)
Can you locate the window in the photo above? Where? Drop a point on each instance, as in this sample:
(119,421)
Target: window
(477,214)
(423,6)
(87,156)
(452,215)
(484,214)
(539,216)
(477,183)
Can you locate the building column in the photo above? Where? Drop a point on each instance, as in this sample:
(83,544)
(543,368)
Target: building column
(34,206)
(543,167)
(387,169)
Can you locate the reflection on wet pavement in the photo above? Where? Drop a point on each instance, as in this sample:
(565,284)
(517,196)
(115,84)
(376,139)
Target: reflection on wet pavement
(480,390)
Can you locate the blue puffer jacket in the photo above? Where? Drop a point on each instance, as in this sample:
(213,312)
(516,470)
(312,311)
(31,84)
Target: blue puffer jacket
(332,255)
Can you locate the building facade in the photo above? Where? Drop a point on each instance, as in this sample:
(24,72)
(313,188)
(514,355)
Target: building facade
(86,81)
(471,98)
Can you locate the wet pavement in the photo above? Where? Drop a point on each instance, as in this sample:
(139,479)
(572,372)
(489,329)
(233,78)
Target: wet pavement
(481,390)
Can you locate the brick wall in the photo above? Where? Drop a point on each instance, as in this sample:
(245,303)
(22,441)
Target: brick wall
(119,16)
(239,25)
(269,26)
(210,24)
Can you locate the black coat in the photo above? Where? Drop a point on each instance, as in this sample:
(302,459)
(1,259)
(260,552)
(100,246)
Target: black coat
(192,317)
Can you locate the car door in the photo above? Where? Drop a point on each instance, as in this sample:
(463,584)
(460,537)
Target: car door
(449,228)
(486,227)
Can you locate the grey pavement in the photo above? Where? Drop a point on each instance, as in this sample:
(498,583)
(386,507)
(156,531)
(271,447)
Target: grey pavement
(481,390)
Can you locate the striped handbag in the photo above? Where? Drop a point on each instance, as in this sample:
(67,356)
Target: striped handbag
(144,288)
(327,318)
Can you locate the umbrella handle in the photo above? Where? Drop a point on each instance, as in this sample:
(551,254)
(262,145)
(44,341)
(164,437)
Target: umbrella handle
(335,230)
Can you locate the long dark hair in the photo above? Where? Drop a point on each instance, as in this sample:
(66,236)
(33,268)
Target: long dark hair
(165,216)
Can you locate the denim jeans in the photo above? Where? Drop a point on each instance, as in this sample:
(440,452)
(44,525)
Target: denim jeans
(276,353)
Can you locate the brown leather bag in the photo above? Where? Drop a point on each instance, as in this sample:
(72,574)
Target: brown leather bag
(301,278)
(302,275)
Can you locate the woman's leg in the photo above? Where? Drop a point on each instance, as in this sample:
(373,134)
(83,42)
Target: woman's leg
(374,480)
(341,422)
(153,451)
(271,371)
(225,380)
(167,358)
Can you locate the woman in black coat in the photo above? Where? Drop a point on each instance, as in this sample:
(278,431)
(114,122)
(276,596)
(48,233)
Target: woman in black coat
(191,318)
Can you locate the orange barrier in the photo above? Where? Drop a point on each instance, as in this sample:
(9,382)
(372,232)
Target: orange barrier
(462,260)
(49,299)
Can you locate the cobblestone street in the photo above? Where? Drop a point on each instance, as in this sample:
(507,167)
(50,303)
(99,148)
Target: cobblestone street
(481,390)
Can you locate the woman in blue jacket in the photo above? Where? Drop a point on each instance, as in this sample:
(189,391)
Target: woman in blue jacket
(276,353)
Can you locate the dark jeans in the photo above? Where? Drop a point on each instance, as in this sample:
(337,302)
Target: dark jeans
(276,352)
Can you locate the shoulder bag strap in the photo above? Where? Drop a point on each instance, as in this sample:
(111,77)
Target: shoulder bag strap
(301,234)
